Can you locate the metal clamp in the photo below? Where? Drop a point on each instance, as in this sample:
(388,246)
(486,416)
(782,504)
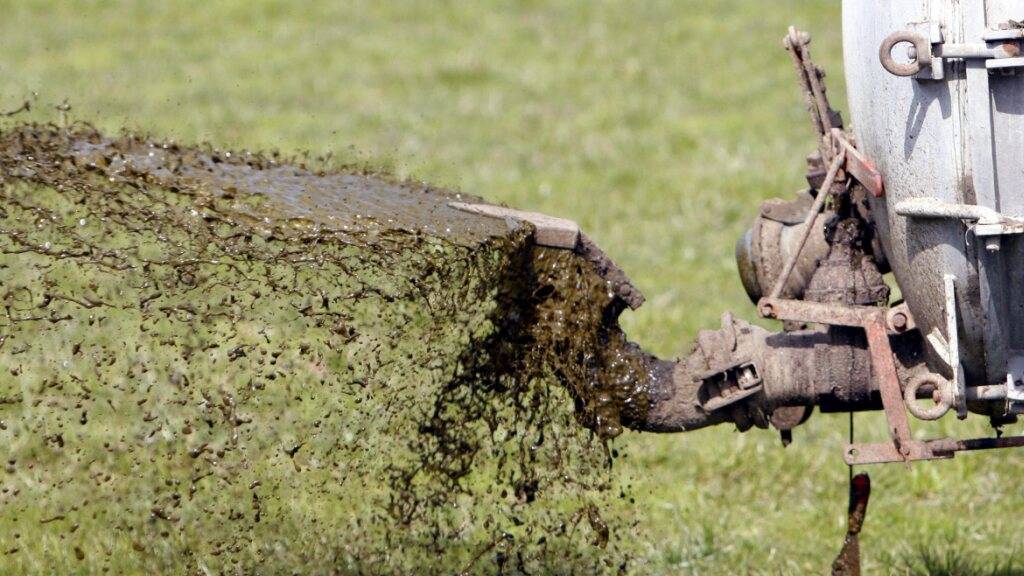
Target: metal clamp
(730,384)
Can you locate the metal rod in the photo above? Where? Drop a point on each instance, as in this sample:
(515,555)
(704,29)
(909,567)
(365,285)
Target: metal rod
(943,448)
(820,313)
(793,41)
(928,207)
(986,393)
(972,51)
(819,203)
(821,103)
(810,78)
(949,445)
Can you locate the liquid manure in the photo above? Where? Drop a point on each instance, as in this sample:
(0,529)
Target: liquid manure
(231,362)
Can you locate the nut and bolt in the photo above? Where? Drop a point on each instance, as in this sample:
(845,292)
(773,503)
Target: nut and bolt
(899,321)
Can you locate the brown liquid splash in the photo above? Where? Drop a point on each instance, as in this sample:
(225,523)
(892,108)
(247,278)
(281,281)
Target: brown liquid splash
(227,362)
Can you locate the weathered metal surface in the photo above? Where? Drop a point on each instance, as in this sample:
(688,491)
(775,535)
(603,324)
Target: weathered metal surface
(874,321)
(556,232)
(905,125)
(820,313)
(763,250)
(986,222)
(889,385)
(885,453)
(860,454)
(899,319)
(812,213)
(955,137)
(929,207)
(986,393)
(749,376)
(953,346)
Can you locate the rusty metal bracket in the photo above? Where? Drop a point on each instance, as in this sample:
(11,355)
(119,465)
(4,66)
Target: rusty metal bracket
(832,140)
(873,320)
(944,448)
(875,323)
(889,387)
(858,165)
(831,314)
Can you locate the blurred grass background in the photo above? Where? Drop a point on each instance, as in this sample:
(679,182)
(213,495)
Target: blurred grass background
(658,125)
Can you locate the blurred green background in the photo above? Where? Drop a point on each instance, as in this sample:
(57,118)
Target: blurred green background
(658,125)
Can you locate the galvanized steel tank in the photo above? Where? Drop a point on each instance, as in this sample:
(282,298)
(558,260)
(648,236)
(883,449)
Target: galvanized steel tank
(949,143)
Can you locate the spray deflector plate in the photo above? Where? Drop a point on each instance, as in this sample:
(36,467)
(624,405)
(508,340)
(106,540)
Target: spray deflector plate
(548,230)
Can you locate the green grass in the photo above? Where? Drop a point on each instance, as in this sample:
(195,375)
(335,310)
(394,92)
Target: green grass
(658,125)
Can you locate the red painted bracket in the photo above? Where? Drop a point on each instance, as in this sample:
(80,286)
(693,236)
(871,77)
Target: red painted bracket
(859,165)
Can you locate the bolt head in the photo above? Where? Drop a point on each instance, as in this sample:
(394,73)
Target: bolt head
(899,321)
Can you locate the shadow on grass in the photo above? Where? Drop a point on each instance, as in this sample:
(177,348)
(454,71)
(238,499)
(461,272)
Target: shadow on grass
(952,561)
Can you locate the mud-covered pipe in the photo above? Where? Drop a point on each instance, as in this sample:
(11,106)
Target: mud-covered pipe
(674,403)
(764,371)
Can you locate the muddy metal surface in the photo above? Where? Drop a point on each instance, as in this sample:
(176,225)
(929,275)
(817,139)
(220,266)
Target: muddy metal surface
(221,362)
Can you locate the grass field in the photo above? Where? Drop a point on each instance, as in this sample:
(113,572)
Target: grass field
(659,126)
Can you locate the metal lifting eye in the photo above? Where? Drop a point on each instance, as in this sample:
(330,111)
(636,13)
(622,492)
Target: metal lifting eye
(942,395)
(921,53)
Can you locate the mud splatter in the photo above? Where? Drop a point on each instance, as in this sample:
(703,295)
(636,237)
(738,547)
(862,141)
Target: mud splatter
(221,362)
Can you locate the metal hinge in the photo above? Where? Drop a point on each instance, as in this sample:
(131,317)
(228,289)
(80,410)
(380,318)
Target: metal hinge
(927,50)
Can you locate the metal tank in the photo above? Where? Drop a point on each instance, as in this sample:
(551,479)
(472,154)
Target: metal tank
(940,110)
